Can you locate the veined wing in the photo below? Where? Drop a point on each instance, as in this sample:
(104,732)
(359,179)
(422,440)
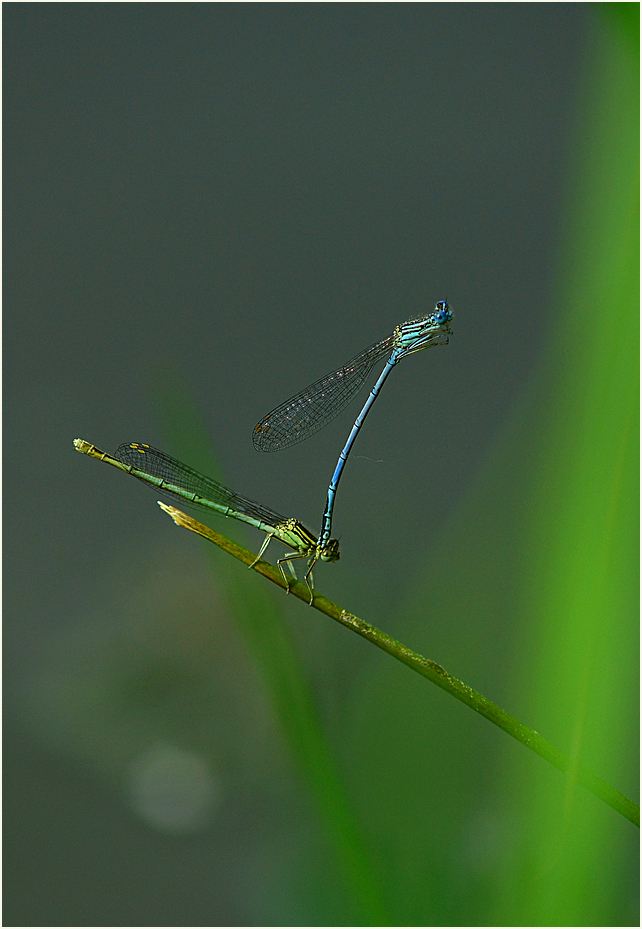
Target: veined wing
(314,407)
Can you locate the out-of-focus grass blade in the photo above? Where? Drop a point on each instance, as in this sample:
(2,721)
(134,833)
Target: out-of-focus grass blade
(532,595)
(260,620)
(579,577)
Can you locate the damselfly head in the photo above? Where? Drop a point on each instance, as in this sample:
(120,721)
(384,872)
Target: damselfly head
(417,334)
(331,551)
(443,314)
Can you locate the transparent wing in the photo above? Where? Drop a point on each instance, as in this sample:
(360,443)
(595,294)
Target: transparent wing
(151,461)
(315,406)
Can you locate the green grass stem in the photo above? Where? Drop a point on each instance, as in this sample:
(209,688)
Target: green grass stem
(426,668)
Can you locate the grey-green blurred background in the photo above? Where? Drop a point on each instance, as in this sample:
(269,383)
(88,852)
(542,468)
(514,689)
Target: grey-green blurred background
(225,201)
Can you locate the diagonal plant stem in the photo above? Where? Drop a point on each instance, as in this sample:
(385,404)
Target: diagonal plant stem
(424,666)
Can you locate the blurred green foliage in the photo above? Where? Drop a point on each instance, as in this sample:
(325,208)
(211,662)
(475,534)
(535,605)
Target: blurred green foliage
(538,574)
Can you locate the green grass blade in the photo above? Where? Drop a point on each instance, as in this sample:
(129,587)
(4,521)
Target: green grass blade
(259,616)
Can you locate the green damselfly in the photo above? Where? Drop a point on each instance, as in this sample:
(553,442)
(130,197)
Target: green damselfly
(177,480)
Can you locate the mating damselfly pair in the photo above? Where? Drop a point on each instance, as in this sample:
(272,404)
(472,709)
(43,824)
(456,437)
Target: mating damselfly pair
(291,422)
